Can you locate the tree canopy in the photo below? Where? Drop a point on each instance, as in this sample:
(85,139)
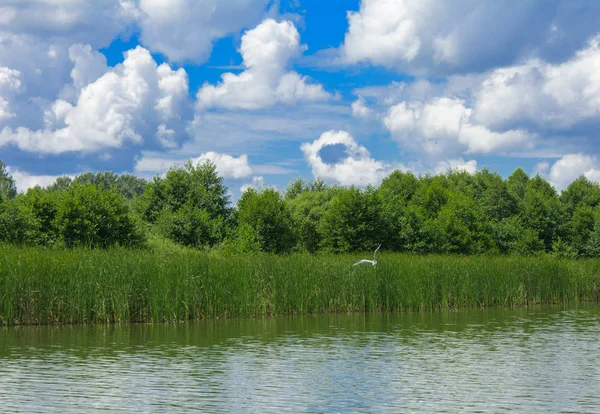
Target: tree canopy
(450,213)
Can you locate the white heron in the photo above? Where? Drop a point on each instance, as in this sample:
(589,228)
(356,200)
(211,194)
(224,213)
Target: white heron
(373,262)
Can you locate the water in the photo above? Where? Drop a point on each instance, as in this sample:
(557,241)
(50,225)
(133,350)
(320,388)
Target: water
(525,360)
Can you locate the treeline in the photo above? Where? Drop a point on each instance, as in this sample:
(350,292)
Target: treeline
(454,212)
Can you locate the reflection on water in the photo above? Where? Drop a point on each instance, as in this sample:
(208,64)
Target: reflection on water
(528,360)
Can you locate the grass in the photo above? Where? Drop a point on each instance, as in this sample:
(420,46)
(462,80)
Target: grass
(39,286)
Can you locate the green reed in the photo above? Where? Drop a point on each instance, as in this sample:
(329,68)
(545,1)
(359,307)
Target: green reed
(40,286)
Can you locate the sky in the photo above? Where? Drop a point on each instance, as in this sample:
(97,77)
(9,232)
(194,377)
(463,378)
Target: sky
(275,90)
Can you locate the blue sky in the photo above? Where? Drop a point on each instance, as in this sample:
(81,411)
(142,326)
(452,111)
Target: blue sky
(274,90)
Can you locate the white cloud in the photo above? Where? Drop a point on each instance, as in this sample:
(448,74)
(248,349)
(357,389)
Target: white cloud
(184,30)
(457,164)
(117,108)
(89,65)
(227,165)
(440,37)
(258,183)
(444,126)
(383,32)
(93,22)
(570,166)
(547,95)
(360,109)
(357,168)
(10,83)
(25,180)
(266,50)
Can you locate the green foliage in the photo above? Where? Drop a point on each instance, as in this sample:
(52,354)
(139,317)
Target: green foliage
(541,211)
(451,213)
(461,227)
(50,286)
(517,183)
(190,226)
(8,188)
(60,184)
(307,210)
(92,217)
(189,205)
(268,215)
(352,221)
(18,224)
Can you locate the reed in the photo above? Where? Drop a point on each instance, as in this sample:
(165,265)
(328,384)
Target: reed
(39,286)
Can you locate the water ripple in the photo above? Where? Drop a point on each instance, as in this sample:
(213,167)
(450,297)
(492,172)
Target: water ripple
(536,360)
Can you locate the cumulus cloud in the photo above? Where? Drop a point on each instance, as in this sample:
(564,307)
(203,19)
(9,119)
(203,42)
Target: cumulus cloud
(360,108)
(266,51)
(444,126)
(356,168)
(436,36)
(88,65)
(543,94)
(511,109)
(227,165)
(118,107)
(9,85)
(95,23)
(570,166)
(184,30)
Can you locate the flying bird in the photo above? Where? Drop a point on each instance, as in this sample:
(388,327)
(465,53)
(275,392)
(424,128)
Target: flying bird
(373,262)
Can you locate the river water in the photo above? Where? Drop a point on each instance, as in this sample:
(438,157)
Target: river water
(525,360)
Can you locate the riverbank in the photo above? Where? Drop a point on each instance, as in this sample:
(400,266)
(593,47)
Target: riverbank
(41,286)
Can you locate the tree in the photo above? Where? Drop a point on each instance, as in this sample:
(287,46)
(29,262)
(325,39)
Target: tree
(461,227)
(265,216)
(492,194)
(352,221)
(582,191)
(194,190)
(18,224)
(60,184)
(542,211)
(399,187)
(517,184)
(432,195)
(307,210)
(92,217)
(8,188)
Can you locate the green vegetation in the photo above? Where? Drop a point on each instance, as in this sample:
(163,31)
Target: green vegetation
(105,247)
(451,213)
(41,286)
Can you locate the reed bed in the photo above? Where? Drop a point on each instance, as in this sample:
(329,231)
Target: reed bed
(40,286)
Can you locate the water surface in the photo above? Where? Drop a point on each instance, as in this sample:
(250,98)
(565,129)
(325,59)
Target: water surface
(525,360)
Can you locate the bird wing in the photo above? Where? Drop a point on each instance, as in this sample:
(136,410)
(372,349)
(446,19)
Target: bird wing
(361,261)
(376,251)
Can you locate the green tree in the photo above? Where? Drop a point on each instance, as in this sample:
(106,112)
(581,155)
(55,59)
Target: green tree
(541,211)
(8,188)
(352,221)
(18,224)
(517,184)
(307,209)
(266,218)
(61,184)
(92,217)
(492,194)
(582,191)
(461,227)
(194,190)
